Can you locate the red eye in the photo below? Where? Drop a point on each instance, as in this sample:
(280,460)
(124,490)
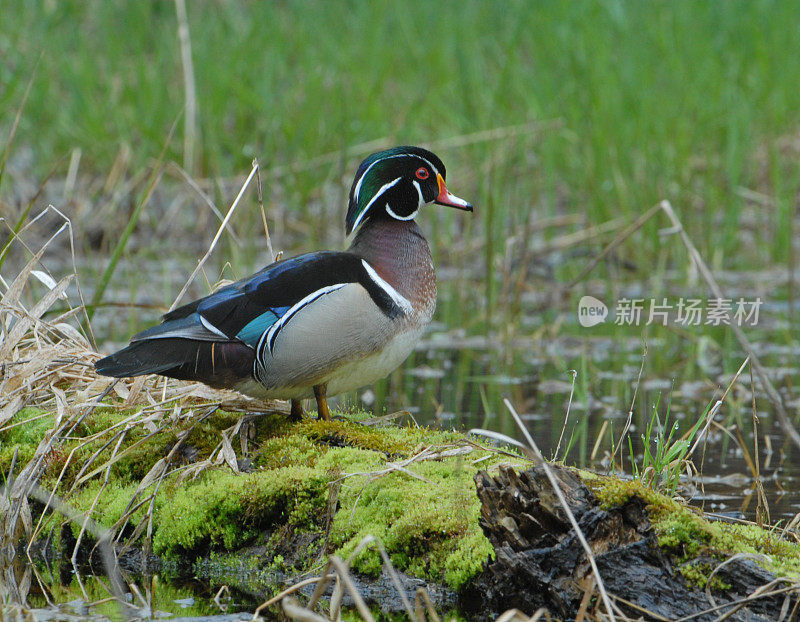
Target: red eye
(422,173)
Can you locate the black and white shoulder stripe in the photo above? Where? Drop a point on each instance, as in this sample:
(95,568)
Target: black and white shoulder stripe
(299,283)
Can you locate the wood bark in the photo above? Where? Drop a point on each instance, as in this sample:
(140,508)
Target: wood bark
(541,563)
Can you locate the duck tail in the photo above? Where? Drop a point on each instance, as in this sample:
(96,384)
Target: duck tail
(216,363)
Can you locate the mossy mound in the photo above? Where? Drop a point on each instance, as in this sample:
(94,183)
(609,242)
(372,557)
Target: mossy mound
(327,484)
(210,484)
(685,534)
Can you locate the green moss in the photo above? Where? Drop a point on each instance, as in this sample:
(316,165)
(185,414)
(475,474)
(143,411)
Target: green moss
(288,450)
(229,510)
(36,423)
(112,503)
(393,441)
(697,574)
(430,528)
(684,533)
(29,428)
(427,519)
(428,523)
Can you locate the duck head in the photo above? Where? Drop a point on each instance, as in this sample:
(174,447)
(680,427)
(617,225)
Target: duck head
(396,183)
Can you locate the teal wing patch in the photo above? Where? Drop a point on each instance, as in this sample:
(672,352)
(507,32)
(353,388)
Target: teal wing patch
(251,333)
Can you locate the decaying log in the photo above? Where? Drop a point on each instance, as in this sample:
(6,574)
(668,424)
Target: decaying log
(540,562)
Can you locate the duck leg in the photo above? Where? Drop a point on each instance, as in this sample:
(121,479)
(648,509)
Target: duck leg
(296,414)
(320,391)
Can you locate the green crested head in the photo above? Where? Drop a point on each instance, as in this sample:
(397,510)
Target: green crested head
(396,183)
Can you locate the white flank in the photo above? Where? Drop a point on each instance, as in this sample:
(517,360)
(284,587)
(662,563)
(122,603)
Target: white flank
(270,336)
(400,300)
(383,189)
(359,372)
(352,375)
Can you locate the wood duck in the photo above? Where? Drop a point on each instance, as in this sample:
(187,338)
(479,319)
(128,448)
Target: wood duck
(319,323)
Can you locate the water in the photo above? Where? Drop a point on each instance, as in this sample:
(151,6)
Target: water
(459,381)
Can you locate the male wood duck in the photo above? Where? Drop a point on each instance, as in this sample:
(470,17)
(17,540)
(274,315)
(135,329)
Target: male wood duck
(320,323)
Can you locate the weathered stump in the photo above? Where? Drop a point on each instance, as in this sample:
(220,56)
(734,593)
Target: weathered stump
(541,563)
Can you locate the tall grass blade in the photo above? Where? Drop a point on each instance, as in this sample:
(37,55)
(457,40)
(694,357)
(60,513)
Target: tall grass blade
(17,118)
(116,254)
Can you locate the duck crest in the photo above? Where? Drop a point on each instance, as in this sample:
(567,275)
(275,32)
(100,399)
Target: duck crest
(395,182)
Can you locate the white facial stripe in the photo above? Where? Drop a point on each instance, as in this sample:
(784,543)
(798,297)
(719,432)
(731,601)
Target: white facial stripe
(210,327)
(398,299)
(360,179)
(419,192)
(399,155)
(383,189)
(269,337)
(391,213)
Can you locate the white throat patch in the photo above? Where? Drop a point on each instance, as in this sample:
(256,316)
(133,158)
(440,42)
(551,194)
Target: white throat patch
(391,213)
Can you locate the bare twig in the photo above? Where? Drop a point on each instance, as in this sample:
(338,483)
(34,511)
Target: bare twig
(761,504)
(389,567)
(773,396)
(78,540)
(295,611)
(216,237)
(747,599)
(104,538)
(628,421)
(347,580)
(715,408)
(289,591)
(261,209)
(574,373)
(203,195)
(624,235)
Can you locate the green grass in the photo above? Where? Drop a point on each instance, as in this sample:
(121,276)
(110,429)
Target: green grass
(664,451)
(656,99)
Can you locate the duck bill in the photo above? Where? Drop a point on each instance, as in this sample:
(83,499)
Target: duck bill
(451,200)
